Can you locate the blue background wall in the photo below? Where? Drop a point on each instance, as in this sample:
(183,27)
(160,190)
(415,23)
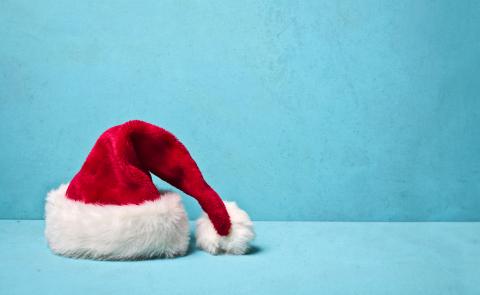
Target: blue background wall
(310,110)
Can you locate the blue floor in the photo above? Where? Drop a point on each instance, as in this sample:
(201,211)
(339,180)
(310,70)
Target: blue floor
(287,258)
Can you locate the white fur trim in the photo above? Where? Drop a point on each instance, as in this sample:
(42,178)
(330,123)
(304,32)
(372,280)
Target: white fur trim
(237,241)
(152,229)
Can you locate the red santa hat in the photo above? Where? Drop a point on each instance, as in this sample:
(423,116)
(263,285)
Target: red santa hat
(112,210)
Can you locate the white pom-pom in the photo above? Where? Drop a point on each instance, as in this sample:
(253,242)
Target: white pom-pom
(237,241)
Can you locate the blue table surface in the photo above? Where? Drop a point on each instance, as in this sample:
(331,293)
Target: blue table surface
(287,258)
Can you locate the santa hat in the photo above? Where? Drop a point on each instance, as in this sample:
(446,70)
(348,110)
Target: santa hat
(112,210)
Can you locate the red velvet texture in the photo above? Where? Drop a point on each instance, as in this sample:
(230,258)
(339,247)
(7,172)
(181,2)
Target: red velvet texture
(117,171)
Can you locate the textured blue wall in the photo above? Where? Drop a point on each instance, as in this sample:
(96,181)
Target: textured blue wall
(310,110)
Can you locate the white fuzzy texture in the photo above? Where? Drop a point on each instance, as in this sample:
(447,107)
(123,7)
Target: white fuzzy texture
(111,232)
(237,241)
